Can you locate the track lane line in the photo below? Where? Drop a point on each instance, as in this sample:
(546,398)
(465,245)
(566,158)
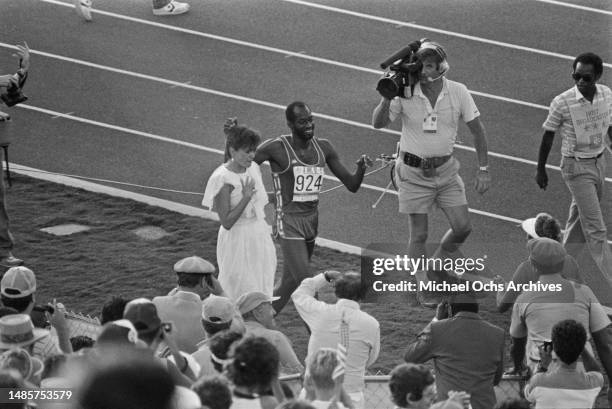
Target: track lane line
(299,54)
(221,152)
(576,6)
(433,30)
(259,102)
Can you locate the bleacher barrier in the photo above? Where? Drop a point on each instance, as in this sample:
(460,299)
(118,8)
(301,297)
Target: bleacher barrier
(377,389)
(79,324)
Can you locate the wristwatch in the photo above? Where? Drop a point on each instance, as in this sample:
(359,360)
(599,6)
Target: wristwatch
(483,168)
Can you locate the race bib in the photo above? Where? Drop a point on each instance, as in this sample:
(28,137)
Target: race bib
(307,183)
(590,124)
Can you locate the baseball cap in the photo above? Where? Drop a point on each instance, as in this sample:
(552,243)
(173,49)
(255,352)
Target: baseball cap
(18,282)
(249,301)
(143,314)
(219,310)
(194,265)
(546,254)
(534,226)
(120,331)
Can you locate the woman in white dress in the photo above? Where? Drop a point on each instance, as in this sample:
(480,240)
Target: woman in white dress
(245,252)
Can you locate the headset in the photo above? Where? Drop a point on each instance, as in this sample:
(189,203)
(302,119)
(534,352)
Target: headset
(439,51)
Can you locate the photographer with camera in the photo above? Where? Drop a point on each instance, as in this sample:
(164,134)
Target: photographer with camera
(10,94)
(426,170)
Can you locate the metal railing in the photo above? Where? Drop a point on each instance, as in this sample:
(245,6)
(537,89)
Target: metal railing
(377,389)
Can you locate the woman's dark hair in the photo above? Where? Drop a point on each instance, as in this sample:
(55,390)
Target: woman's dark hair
(240,137)
(255,363)
(409,378)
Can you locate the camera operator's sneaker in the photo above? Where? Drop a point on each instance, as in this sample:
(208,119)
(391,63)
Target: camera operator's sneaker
(83,9)
(173,8)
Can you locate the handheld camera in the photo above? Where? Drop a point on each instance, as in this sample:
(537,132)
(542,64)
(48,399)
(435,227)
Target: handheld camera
(403,70)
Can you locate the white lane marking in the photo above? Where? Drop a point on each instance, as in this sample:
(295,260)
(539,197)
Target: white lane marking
(221,152)
(286,53)
(576,6)
(433,30)
(256,101)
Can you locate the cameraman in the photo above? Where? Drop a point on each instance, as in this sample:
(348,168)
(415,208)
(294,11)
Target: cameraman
(10,81)
(426,170)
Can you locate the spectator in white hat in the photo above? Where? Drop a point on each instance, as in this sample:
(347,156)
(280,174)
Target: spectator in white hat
(217,314)
(258,314)
(543,225)
(18,291)
(183,305)
(17,331)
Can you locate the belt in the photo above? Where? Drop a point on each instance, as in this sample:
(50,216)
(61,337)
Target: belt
(424,163)
(579,159)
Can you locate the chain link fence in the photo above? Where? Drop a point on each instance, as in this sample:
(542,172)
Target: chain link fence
(377,390)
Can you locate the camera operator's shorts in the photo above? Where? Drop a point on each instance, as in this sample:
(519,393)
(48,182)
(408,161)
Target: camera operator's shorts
(418,193)
(297,226)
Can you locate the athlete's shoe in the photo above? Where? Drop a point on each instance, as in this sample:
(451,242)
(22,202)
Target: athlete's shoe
(83,9)
(173,8)
(4,116)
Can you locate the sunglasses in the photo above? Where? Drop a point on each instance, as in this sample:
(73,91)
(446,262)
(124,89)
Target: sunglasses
(586,77)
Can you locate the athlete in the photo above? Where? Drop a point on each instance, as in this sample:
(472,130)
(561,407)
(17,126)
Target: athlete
(298,164)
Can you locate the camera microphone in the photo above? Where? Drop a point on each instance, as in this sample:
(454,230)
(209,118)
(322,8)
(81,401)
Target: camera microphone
(400,55)
(403,53)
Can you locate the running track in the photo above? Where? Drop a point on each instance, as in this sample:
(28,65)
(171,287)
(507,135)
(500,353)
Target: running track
(141,99)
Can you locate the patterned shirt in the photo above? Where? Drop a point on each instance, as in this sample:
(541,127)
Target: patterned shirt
(571,112)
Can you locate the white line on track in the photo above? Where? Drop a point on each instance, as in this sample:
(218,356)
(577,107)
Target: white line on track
(178,84)
(285,53)
(576,6)
(433,30)
(220,152)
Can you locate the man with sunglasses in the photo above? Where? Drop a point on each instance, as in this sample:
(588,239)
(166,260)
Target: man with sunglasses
(582,115)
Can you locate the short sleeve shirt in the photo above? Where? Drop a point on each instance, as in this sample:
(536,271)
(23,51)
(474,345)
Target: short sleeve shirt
(536,312)
(454,102)
(582,124)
